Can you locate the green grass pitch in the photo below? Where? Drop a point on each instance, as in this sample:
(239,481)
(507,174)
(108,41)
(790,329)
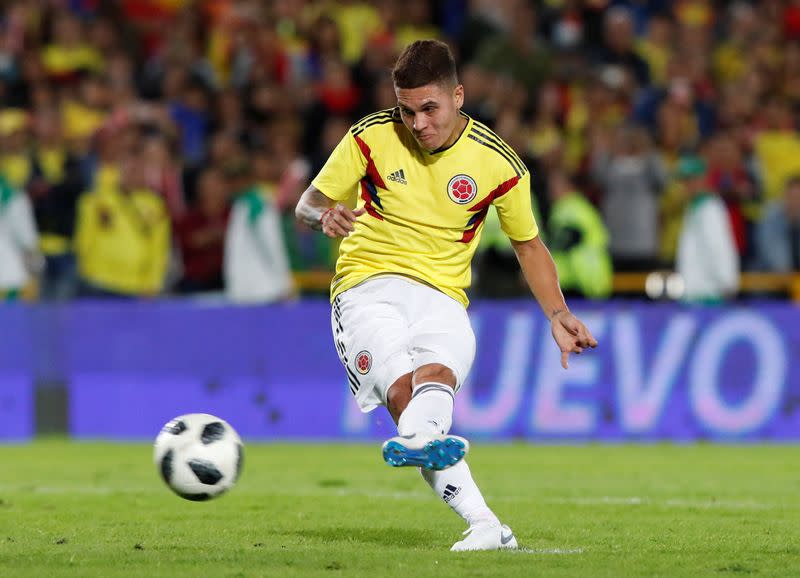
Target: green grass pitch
(98,509)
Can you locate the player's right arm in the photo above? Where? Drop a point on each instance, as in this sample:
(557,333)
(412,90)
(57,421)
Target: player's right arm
(322,213)
(320,207)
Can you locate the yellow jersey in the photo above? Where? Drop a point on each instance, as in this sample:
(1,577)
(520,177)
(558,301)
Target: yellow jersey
(123,241)
(424,210)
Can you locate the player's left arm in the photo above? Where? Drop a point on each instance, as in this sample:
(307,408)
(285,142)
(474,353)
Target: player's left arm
(517,221)
(539,270)
(540,273)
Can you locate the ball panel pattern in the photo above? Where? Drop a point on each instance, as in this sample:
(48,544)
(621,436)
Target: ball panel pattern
(166,466)
(205,471)
(239,461)
(176,427)
(212,432)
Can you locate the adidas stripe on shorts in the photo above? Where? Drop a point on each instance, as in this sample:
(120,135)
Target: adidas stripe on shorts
(390,325)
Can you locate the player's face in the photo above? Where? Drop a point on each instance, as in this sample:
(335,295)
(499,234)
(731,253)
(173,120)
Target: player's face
(430,112)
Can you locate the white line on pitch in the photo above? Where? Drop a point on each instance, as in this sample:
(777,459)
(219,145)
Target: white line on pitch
(671,503)
(406,495)
(541,551)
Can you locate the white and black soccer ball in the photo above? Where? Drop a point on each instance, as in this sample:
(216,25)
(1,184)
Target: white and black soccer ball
(199,456)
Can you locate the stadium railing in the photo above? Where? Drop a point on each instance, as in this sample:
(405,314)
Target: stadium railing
(630,284)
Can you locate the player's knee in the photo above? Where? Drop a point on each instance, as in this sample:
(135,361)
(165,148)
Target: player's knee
(435,372)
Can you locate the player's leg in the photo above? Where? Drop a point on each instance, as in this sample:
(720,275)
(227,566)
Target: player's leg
(458,489)
(454,485)
(398,396)
(370,334)
(443,337)
(423,421)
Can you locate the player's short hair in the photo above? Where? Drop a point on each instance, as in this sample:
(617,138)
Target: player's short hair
(425,62)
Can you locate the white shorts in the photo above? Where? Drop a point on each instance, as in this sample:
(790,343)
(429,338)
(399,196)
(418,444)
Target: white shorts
(391,325)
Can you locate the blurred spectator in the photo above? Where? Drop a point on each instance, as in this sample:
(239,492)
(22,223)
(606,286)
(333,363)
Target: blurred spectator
(728,175)
(546,135)
(417,25)
(578,240)
(256,260)
(324,44)
(778,234)
(357,21)
(707,259)
(678,109)
(633,177)
(619,46)
(730,56)
(162,174)
(201,235)
(69,53)
(57,180)
(656,48)
(336,92)
(122,237)
(190,111)
(521,54)
(19,254)
(15,162)
(86,112)
(777,147)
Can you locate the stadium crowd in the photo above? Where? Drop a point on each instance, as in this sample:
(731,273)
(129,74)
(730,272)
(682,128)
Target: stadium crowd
(157,147)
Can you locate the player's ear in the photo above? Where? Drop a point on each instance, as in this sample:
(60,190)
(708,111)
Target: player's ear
(458,96)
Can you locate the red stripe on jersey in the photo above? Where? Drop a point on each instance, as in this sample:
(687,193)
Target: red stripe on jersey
(368,200)
(482,208)
(372,170)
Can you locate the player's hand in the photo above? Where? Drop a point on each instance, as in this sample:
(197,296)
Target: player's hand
(338,221)
(570,334)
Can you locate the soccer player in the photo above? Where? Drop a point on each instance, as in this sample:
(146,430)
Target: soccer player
(426,175)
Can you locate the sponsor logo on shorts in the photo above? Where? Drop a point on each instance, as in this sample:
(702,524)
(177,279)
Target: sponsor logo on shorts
(462,189)
(363,362)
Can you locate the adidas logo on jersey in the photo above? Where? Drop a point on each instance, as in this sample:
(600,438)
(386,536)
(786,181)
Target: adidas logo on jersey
(450,492)
(398,177)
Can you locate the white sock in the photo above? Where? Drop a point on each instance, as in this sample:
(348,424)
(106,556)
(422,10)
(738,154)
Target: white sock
(459,491)
(431,410)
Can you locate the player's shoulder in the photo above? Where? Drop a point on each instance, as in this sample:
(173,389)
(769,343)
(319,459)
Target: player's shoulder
(496,149)
(377,121)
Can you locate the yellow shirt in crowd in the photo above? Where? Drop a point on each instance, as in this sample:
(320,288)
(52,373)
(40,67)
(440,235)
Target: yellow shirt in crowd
(778,154)
(122,240)
(59,59)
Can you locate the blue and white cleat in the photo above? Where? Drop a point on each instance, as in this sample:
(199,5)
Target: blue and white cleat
(431,452)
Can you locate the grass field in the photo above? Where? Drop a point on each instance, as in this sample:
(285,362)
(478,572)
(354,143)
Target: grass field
(92,509)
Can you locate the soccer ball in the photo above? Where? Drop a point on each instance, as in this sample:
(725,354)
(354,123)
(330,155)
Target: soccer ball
(199,456)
